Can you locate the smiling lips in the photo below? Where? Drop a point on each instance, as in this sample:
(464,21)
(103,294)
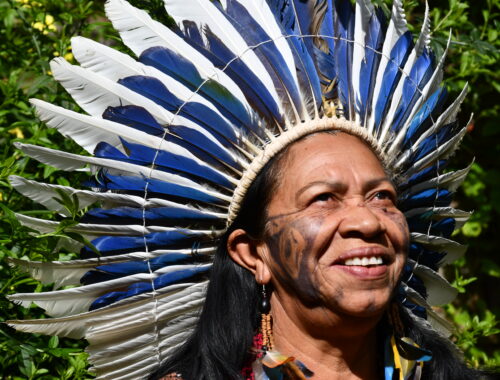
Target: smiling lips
(369,262)
(365,261)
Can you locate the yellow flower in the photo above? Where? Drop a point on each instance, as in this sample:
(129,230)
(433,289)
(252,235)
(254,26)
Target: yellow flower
(38,25)
(56,54)
(49,20)
(1,197)
(52,27)
(17,131)
(68,57)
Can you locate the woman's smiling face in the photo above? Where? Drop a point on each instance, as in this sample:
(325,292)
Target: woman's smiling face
(334,236)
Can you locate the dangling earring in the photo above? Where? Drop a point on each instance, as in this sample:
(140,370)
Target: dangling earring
(265,322)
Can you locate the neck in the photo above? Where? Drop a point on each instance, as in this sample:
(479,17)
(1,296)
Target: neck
(331,346)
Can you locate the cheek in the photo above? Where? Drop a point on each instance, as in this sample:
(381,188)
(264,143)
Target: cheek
(398,231)
(292,244)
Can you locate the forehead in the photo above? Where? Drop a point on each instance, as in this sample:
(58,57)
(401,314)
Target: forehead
(336,157)
(339,150)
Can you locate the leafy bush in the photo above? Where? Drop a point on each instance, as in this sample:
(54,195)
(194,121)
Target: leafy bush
(32,32)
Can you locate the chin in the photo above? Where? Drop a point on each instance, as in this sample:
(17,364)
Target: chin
(364,304)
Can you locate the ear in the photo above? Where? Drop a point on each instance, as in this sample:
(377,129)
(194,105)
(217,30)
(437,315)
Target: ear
(249,254)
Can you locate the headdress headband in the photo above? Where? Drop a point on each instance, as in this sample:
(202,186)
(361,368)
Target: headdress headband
(177,135)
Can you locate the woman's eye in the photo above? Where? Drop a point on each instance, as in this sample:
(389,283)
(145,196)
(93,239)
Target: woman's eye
(323,197)
(383,195)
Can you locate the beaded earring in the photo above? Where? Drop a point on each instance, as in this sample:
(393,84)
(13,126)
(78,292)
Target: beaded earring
(265,322)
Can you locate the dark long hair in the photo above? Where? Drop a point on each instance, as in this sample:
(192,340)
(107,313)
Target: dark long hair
(219,346)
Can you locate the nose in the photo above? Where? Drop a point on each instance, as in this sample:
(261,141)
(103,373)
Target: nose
(358,219)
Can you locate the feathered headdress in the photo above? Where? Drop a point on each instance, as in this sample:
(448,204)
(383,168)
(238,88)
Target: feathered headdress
(178,133)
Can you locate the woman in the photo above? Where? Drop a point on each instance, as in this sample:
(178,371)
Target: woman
(302,143)
(323,203)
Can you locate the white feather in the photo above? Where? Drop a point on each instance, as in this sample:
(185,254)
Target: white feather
(66,302)
(450,181)
(453,249)
(124,332)
(428,89)
(88,131)
(424,38)
(397,94)
(448,116)
(95,94)
(443,151)
(93,231)
(76,326)
(63,273)
(115,65)
(44,194)
(205,14)
(441,212)
(436,321)
(363,12)
(445,118)
(68,161)
(397,27)
(139,32)
(439,291)
(260,11)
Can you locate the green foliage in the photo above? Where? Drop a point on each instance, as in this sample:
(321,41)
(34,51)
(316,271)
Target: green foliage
(33,32)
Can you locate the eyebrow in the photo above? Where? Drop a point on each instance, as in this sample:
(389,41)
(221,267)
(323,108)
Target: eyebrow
(342,187)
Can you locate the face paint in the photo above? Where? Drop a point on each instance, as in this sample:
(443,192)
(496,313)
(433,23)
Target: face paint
(291,240)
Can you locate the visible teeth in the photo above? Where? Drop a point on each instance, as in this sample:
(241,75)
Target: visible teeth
(365,261)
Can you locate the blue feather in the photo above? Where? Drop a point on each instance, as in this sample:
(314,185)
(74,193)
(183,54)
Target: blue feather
(392,73)
(117,270)
(325,64)
(413,86)
(402,298)
(425,116)
(429,144)
(267,51)
(200,146)
(443,227)
(106,181)
(307,74)
(155,90)
(424,175)
(324,55)
(163,160)
(186,73)
(143,287)
(135,117)
(113,245)
(369,66)
(158,215)
(426,198)
(255,91)
(413,281)
(344,32)
(423,256)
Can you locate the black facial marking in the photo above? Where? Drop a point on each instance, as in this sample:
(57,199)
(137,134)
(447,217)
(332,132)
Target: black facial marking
(291,239)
